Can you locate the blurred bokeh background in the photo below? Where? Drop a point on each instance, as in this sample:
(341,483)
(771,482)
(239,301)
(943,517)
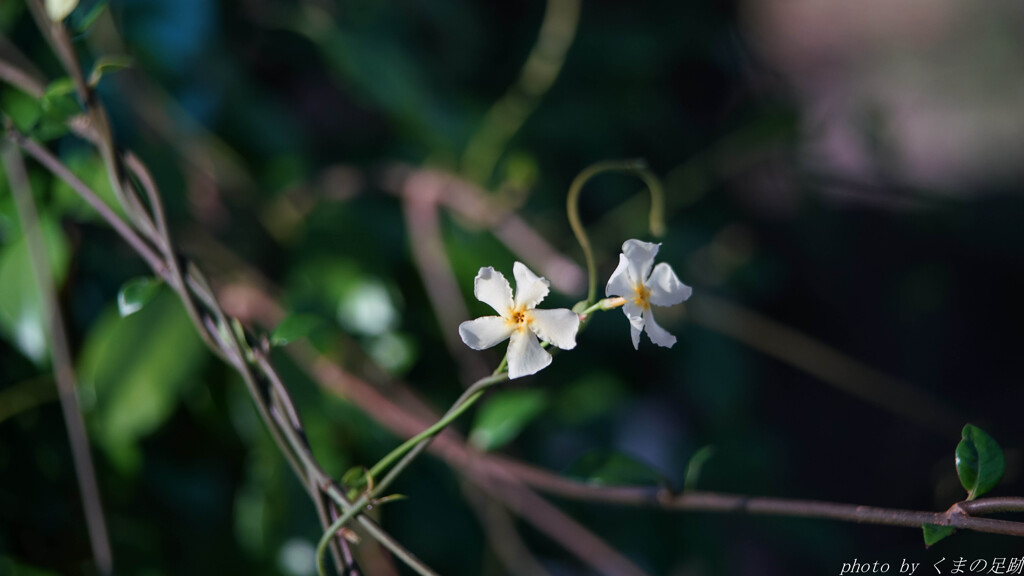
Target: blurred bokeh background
(843,193)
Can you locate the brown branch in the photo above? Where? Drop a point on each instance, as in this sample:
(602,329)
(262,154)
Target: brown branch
(423,222)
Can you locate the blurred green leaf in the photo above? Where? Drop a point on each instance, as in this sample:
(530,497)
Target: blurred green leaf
(139,367)
(933,533)
(504,416)
(979,462)
(21,307)
(393,352)
(295,327)
(56,90)
(108,64)
(59,103)
(695,465)
(368,308)
(135,294)
(89,168)
(23,109)
(592,395)
(615,469)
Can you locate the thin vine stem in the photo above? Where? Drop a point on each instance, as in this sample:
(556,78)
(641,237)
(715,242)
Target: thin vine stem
(657,220)
(468,398)
(409,451)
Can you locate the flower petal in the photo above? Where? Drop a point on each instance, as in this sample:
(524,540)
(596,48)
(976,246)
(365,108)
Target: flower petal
(530,288)
(665,287)
(620,284)
(641,257)
(491,288)
(556,326)
(485,332)
(525,356)
(634,314)
(658,335)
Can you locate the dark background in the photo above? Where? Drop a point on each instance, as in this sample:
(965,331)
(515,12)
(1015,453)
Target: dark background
(849,176)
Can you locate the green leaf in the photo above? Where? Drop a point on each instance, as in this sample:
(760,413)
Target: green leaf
(59,9)
(979,462)
(90,169)
(59,102)
(615,469)
(108,64)
(58,88)
(138,368)
(504,416)
(24,110)
(295,327)
(933,533)
(135,294)
(592,395)
(22,321)
(696,464)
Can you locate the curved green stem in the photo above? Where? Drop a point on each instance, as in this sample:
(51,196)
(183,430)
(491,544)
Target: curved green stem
(635,167)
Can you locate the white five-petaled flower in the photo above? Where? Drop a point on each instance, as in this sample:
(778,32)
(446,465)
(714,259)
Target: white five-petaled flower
(519,320)
(635,282)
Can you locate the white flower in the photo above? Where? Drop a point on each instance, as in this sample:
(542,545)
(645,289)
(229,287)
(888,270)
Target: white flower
(634,281)
(519,320)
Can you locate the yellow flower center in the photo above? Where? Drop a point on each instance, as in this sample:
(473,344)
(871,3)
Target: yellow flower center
(519,318)
(642,296)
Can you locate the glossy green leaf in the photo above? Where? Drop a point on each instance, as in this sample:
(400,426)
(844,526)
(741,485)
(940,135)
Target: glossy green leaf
(504,416)
(22,321)
(614,469)
(933,533)
(138,368)
(295,327)
(135,294)
(979,462)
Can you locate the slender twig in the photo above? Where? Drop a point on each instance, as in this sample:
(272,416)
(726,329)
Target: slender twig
(63,365)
